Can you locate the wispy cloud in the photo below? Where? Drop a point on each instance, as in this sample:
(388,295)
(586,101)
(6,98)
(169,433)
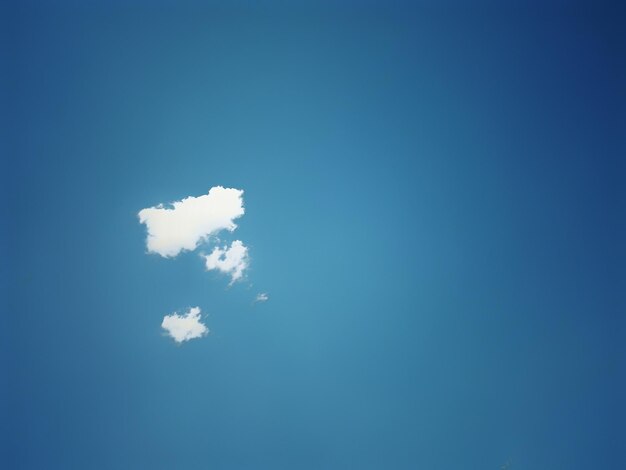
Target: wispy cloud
(261,297)
(231,260)
(191,220)
(185,327)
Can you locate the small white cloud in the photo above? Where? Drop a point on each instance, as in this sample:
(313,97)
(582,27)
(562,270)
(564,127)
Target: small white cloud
(188,222)
(261,297)
(184,327)
(233,260)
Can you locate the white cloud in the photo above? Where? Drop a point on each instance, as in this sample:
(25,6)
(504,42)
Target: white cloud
(233,260)
(184,327)
(261,297)
(188,222)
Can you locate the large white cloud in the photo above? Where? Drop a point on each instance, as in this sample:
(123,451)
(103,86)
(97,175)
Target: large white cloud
(188,222)
(231,260)
(185,327)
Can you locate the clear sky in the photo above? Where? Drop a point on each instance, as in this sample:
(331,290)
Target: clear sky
(434,204)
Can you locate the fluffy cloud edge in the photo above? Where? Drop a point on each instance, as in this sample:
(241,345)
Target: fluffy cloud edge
(233,260)
(185,327)
(191,220)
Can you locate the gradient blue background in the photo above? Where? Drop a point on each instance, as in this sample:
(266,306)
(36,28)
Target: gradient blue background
(435,204)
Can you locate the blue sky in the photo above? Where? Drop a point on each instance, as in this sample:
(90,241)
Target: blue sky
(434,203)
